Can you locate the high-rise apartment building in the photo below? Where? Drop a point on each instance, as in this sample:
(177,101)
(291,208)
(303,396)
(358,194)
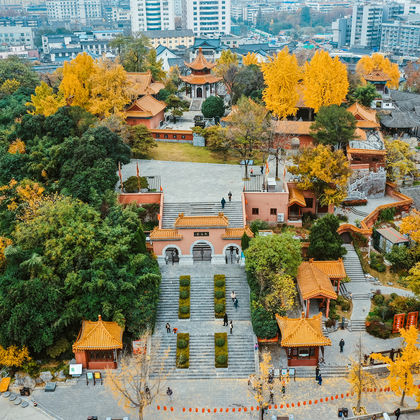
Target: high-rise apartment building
(78,11)
(152,15)
(208,17)
(366,25)
(341,29)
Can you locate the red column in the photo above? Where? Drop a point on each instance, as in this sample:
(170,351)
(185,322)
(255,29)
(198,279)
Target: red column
(308,302)
(338,287)
(328,307)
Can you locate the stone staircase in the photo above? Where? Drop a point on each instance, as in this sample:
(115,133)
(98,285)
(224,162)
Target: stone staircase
(202,299)
(167,310)
(352,265)
(232,210)
(326,371)
(357,325)
(195,104)
(240,286)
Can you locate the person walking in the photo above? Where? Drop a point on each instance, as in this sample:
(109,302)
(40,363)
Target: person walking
(397,413)
(252,171)
(317,371)
(319,379)
(147,391)
(230,195)
(223,202)
(341,344)
(231,327)
(225,320)
(169,393)
(236,303)
(233,295)
(168,327)
(262,169)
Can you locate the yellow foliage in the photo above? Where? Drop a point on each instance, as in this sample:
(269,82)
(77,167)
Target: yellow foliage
(378,62)
(100,87)
(250,58)
(281,76)
(325,81)
(9,86)
(227,58)
(4,243)
(282,293)
(323,171)
(45,101)
(400,377)
(18,146)
(399,159)
(14,356)
(410,225)
(413,278)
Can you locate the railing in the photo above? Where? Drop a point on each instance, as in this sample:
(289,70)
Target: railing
(392,354)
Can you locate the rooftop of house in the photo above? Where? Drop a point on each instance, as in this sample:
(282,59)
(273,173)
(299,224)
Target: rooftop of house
(300,332)
(169,33)
(143,84)
(145,107)
(183,221)
(392,235)
(200,62)
(376,75)
(293,127)
(99,335)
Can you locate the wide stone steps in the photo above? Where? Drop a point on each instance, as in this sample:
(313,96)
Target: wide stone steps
(358,325)
(326,371)
(232,210)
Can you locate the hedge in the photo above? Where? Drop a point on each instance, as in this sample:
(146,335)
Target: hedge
(184,297)
(221,351)
(183,351)
(219,295)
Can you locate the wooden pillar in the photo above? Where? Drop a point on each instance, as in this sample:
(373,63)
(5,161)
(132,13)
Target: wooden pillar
(308,303)
(328,308)
(338,287)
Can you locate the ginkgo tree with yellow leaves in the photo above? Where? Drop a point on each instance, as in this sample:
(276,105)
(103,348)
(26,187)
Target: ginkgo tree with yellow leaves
(377,61)
(13,356)
(281,76)
(99,86)
(401,379)
(324,81)
(399,159)
(250,58)
(323,171)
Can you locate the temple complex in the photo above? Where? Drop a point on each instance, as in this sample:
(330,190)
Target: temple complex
(201,83)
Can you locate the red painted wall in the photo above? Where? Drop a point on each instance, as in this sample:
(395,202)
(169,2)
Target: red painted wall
(139,198)
(162,134)
(150,123)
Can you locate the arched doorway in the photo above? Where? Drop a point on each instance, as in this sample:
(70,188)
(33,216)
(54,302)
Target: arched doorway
(201,252)
(172,255)
(232,254)
(199,92)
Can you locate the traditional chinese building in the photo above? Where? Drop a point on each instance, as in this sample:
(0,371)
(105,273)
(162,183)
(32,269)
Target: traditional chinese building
(147,111)
(201,83)
(379,79)
(320,281)
(302,339)
(98,344)
(142,84)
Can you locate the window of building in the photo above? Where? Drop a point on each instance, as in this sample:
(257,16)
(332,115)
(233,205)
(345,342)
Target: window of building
(273,212)
(255,210)
(174,136)
(165,136)
(182,137)
(309,202)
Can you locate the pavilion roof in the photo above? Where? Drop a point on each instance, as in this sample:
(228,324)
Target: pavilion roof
(314,282)
(296,197)
(200,62)
(200,79)
(300,332)
(201,221)
(145,107)
(99,335)
(365,117)
(293,127)
(164,234)
(376,75)
(142,83)
(333,269)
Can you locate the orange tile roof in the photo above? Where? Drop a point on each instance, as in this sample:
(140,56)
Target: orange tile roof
(164,234)
(145,107)
(156,87)
(142,84)
(237,233)
(293,127)
(200,62)
(99,335)
(376,75)
(300,332)
(333,269)
(313,282)
(200,79)
(360,134)
(296,197)
(366,117)
(351,151)
(367,124)
(201,221)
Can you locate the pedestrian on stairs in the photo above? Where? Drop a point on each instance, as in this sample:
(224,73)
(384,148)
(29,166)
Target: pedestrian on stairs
(169,393)
(225,320)
(341,344)
(231,326)
(235,303)
(233,296)
(168,327)
(317,371)
(230,196)
(319,379)
(223,202)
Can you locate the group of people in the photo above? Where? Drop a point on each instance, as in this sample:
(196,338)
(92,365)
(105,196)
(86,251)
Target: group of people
(168,328)
(226,322)
(223,201)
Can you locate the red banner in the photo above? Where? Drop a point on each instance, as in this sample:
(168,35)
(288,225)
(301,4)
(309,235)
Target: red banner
(398,322)
(412,318)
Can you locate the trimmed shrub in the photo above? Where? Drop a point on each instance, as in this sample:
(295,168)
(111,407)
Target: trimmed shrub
(220,350)
(184,294)
(330,323)
(377,262)
(219,308)
(184,309)
(219,294)
(183,350)
(378,299)
(184,281)
(220,342)
(219,283)
(379,329)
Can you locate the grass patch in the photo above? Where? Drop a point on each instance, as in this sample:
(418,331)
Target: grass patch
(219,295)
(184,152)
(221,350)
(184,297)
(183,351)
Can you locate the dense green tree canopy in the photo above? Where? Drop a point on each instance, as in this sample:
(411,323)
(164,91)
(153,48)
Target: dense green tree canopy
(249,81)
(14,68)
(325,242)
(364,94)
(213,107)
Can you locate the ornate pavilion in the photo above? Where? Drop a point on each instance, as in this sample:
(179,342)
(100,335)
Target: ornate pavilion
(201,83)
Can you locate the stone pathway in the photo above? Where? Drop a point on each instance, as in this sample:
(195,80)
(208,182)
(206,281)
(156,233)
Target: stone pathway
(202,324)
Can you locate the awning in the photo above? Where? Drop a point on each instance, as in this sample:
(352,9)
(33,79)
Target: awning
(296,197)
